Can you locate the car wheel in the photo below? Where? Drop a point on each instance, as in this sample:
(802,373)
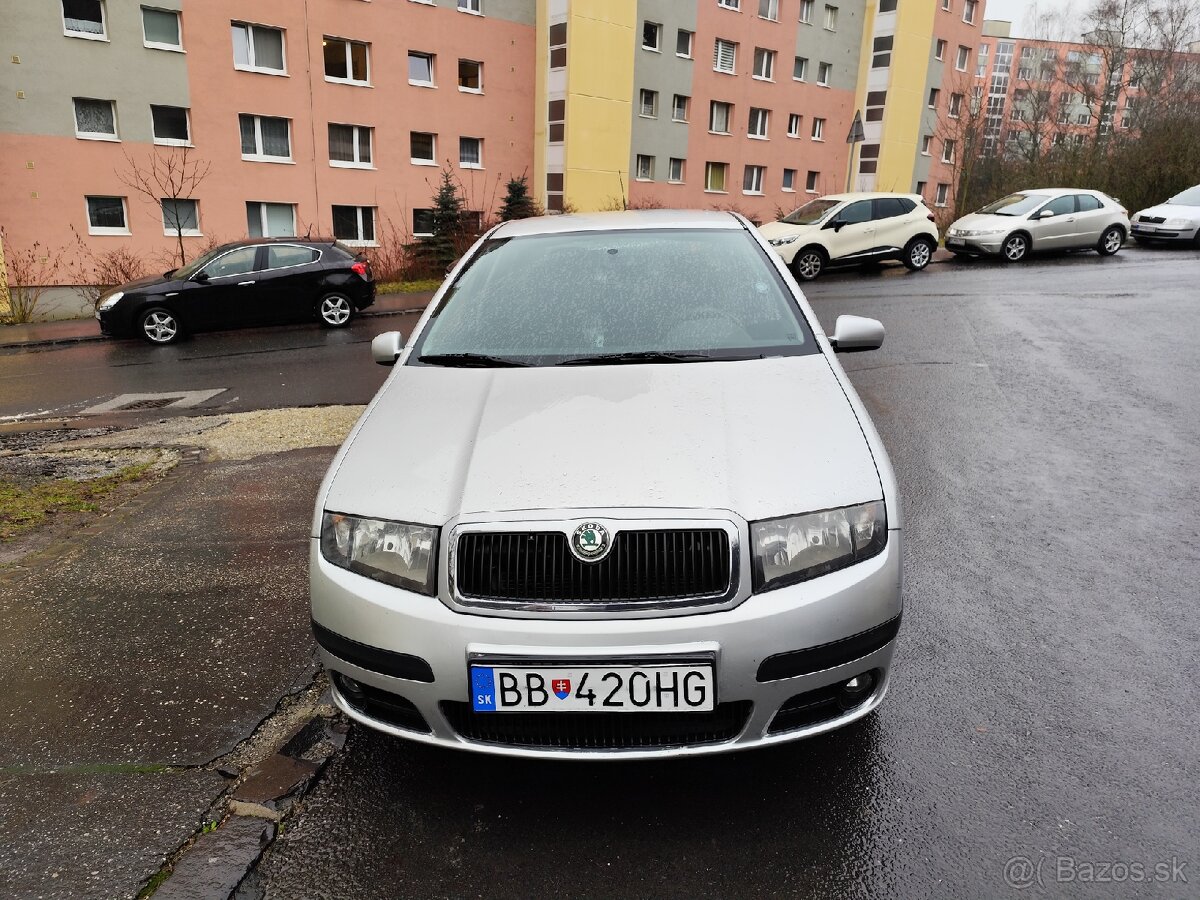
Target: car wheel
(1015,247)
(1111,240)
(335,310)
(918,253)
(808,264)
(159,326)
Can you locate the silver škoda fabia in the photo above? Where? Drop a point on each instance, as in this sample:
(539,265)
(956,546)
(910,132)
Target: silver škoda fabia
(616,499)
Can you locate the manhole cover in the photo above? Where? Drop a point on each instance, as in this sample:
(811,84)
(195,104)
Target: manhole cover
(152,403)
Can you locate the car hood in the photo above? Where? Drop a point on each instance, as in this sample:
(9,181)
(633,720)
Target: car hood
(1170,211)
(783,229)
(761,438)
(986,221)
(141,284)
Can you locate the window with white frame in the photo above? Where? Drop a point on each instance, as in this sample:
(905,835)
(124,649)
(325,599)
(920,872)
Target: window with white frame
(964,56)
(95,120)
(679,108)
(675,170)
(730,4)
(350,146)
(955,108)
(422,222)
(724,56)
(160,29)
(969,7)
(644,170)
(715,176)
(718,116)
(939,50)
(876,102)
(926,144)
(831,17)
(800,68)
(106,215)
(945,6)
(265,138)
(887,6)
(652,36)
(806,12)
(759,119)
(810,181)
(470,152)
(789,180)
(348,62)
(470,76)
(270,219)
(558,45)
(180,217)
(824,73)
(881,52)
(794,125)
(764,63)
(420,68)
(422,148)
(354,224)
(768,9)
(943,192)
(648,103)
(818,129)
(947,151)
(170,125)
(868,163)
(84,18)
(471,6)
(258,48)
(683,43)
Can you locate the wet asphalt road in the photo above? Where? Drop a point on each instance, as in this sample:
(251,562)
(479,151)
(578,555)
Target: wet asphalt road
(1044,425)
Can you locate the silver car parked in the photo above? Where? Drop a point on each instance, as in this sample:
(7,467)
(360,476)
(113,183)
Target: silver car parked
(617,498)
(1048,219)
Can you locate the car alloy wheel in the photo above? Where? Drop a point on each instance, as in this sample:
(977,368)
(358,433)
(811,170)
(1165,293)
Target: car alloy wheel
(919,253)
(808,264)
(160,326)
(1111,241)
(335,310)
(1015,247)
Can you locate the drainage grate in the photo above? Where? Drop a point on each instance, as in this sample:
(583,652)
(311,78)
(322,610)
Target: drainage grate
(152,403)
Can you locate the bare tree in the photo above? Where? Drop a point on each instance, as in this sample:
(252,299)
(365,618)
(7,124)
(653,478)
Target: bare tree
(168,178)
(29,273)
(963,124)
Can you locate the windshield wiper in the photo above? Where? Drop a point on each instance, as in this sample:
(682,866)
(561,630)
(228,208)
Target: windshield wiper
(470,361)
(636,356)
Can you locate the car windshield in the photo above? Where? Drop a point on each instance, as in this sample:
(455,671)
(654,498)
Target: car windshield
(1015,204)
(609,297)
(185,272)
(811,212)
(1190,197)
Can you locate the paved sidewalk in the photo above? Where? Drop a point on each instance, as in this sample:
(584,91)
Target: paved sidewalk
(73,331)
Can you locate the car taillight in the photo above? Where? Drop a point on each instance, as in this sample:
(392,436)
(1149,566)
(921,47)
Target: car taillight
(359,268)
(931,218)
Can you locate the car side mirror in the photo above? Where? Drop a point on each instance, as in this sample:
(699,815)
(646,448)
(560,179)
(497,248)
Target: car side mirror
(387,347)
(854,334)
(835,224)
(200,277)
(1045,214)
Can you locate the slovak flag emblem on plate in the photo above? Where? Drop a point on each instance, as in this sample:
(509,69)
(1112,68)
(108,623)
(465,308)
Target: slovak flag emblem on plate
(561,688)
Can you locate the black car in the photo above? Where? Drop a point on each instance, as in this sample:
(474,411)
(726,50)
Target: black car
(256,282)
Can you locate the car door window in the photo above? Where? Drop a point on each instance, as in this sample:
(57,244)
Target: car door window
(891,207)
(856,213)
(235,262)
(1061,206)
(1086,203)
(284,255)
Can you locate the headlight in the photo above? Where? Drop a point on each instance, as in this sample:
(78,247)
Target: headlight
(1178,223)
(110,301)
(392,552)
(961,232)
(797,548)
(780,241)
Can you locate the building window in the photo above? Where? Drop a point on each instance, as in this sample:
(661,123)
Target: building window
(724,56)
(347,62)
(350,146)
(810,182)
(420,69)
(471,6)
(730,4)
(945,6)
(470,76)
(868,163)
(558,46)
(270,219)
(422,223)
(939,51)
(422,148)
(648,103)
(887,6)
(645,167)
(806,11)
(789,179)
(257,48)
(831,16)
(800,68)
(926,144)
(752,180)
(824,73)
(964,56)
(920,188)
(818,129)
(794,125)
(768,9)
(652,36)
(943,191)
(718,117)
(675,170)
(758,122)
(170,124)
(714,176)
(106,215)
(934,94)
(180,217)
(95,120)
(555,119)
(764,63)
(354,224)
(881,55)
(84,18)
(265,138)
(969,7)
(947,151)
(876,102)
(683,43)
(679,108)
(955,109)
(470,152)
(160,29)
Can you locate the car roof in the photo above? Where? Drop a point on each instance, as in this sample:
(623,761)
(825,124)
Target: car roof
(868,195)
(632,219)
(255,242)
(1055,192)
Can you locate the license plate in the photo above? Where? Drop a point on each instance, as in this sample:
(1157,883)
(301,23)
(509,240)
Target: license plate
(617,688)
(954,242)
(1145,228)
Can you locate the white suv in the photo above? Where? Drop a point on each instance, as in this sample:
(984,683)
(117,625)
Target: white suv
(851,229)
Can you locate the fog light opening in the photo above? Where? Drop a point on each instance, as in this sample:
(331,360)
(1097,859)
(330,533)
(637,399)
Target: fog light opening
(856,690)
(350,689)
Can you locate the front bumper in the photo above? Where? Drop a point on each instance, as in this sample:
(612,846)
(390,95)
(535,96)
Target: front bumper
(988,246)
(1162,233)
(859,602)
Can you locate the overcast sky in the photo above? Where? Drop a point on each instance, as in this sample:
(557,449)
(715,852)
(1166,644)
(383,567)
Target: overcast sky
(1012,10)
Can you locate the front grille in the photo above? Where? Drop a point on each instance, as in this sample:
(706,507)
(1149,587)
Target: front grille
(1153,220)
(653,565)
(598,731)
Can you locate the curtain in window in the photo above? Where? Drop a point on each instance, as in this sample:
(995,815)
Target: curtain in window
(180,215)
(84,16)
(341,143)
(280,222)
(468,151)
(249,142)
(161,27)
(268,48)
(254,219)
(106,212)
(241,45)
(94,117)
(364,145)
(275,137)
